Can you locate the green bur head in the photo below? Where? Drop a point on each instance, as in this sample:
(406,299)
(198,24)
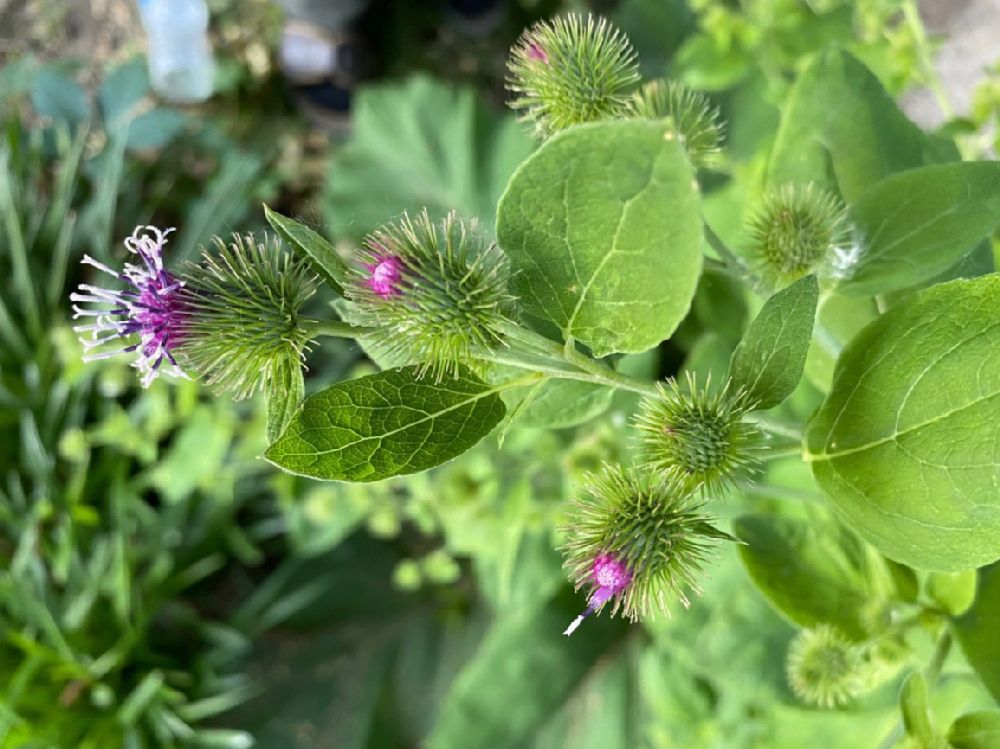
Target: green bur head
(430,294)
(653,527)
(697,439)
(792,232)
(697,120)
(569,71)
(824,667)
(244,303)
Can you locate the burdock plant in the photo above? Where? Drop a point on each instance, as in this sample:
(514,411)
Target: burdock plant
(245,322)
(792,232)
(636,541)
(569,71)
(433,294)
(696,438)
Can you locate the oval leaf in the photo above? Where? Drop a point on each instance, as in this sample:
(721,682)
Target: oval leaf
(977,629)
(560,404)
(917,224)
(285,391)
(979,730)
(810,572)
(311,247)
(768,362)
(385,425)
(603,230)
(854,144)
(905,444)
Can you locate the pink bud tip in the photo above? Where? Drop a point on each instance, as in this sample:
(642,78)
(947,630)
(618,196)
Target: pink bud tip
(536,52)
(385,276)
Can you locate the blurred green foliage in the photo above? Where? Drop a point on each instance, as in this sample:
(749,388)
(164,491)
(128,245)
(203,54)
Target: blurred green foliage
(162,587)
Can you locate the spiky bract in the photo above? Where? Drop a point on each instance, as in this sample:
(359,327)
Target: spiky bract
(825,668)
(696,438)
(571,70)
(245,300)
(793,230)
(696,119)
(432,294)
(651,526)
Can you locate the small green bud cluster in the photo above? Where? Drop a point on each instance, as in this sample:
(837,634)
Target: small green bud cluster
(697,439)
(793,231)
(827,669)
(651,529)
(430,294)
(243,305)
(569,71)
(697,120)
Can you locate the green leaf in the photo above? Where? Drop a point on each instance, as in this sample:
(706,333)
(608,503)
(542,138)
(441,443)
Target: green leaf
(603,230)
(155,129)
(842,130)
(768,362)
(499,700)
(916,712)
(285,391)
(311,247)
(58,96)
(122,90)
(979,730)
(838,320)
(917,224)
(976,630)
(952,591)
(421,144)
(811,572)
(905,443)
(386,424)
(565,403)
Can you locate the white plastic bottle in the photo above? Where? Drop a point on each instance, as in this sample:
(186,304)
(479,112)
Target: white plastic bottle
(181,67)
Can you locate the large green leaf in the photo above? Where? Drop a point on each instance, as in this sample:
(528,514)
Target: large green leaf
(523,674)
(603,231)
(420,144)
(768,362)
(842,130)
(811,572)
(905,444)
(917,224)
(977,629)
(386,424)
(838,320)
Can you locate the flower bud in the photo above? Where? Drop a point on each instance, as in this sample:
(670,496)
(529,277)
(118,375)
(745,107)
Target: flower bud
(793,231)
(244,303)
(431,294)
(696,119)
(825,668)
(697,439)
(569,71)
(635,541)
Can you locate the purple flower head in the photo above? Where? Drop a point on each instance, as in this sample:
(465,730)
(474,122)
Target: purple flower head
(537,52)
(150,307)
(386,274)
(611,577)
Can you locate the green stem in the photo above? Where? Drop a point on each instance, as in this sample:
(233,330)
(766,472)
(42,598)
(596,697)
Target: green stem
(733,261)
(336,329)
(557,357)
